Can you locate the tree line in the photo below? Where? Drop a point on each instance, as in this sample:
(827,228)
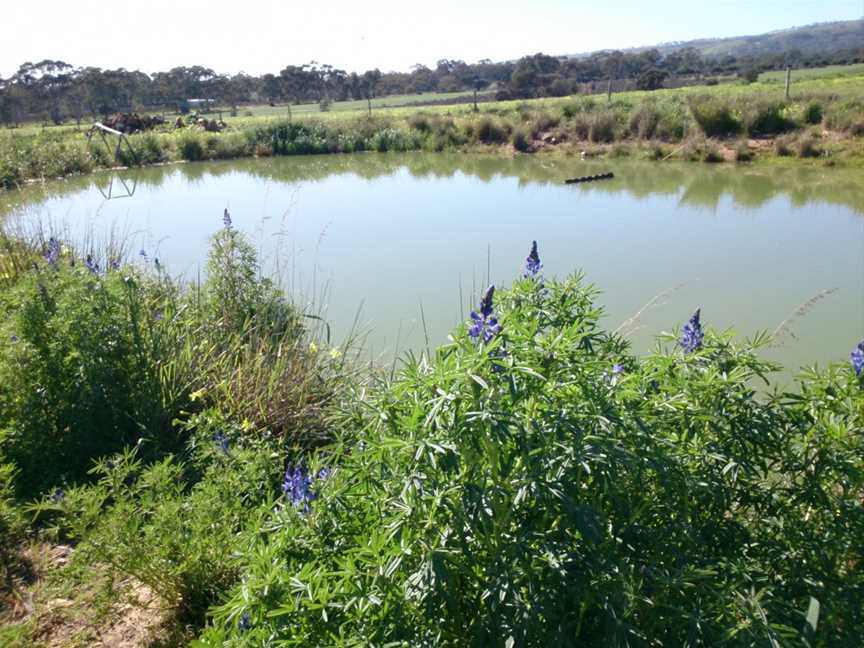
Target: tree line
(57,91)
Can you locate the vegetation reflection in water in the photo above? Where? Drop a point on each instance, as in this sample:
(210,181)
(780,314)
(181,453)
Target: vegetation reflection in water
(756,246)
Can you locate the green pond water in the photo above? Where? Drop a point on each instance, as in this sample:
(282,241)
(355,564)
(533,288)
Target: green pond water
(381,243)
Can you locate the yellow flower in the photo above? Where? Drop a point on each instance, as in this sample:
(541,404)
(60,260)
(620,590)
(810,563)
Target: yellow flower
(313,348)
(198,394)
(335,353)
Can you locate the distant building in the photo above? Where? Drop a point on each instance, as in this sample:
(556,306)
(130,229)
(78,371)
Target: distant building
(199,105)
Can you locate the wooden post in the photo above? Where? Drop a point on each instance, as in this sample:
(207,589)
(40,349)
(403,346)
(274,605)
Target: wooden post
(788,80)
(475,100)
(609,91)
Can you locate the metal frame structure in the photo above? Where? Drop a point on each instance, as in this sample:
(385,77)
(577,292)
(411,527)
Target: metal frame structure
(102,129)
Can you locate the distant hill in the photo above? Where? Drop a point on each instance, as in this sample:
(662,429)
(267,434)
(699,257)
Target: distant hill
(811,39)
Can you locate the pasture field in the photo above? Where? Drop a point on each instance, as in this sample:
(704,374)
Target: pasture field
(806,74)
(823,121)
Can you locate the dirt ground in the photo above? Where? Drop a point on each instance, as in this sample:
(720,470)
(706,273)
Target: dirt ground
(48,615)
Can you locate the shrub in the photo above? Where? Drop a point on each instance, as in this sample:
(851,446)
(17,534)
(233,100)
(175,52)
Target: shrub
(148,149)
(191,148)
(230,145)
(714,118)
(750,75)
(808,147)
(601,127)
(187,517)
(711,153)
(81,376)
(540,489)
(488,131)
(521,140)
(11,524)
(743,152)
(813,113)
(543,122)
(420,122)
(619,151)
(644,121)
(763,118)
(783,146)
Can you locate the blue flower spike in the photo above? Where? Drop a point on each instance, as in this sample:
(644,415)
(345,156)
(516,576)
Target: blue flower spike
(533,265)
(298,487)
(856,357)
(245,623)
(52,252)
(692,335)
(483,324)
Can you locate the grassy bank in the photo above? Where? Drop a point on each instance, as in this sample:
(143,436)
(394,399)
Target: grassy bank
(192,457)
(823,122)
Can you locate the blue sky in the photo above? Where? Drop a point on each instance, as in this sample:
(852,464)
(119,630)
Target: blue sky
(259,36)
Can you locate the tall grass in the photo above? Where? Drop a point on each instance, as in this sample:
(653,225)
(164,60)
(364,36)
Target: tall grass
(721,112)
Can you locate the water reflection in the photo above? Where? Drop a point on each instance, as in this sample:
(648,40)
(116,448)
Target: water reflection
(697,185)
(391,232)
(125,187)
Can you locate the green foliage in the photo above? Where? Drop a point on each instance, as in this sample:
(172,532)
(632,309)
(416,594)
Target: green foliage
(714,118)
(602,127)
(489,131)
(644,121)
(149,149)
(176,525)
(191,148)
(743,152)
(808,147)
(521,140)
(80,369)
(11,522)
(813,113)
(526,493)
(765,118)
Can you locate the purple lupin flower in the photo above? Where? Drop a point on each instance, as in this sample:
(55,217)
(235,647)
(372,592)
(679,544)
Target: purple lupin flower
(52,252)
(533,265)
(298,487)
(91,265)
(244,624)
(692,334)
(856,357)
(483,323)
(113,264)
(58,495)
(226,219)
(617,369)
(222,440)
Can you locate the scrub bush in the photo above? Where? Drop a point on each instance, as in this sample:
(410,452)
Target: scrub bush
(533,484)
(714,118)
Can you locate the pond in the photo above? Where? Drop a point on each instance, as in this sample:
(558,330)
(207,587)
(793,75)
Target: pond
(396,248)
